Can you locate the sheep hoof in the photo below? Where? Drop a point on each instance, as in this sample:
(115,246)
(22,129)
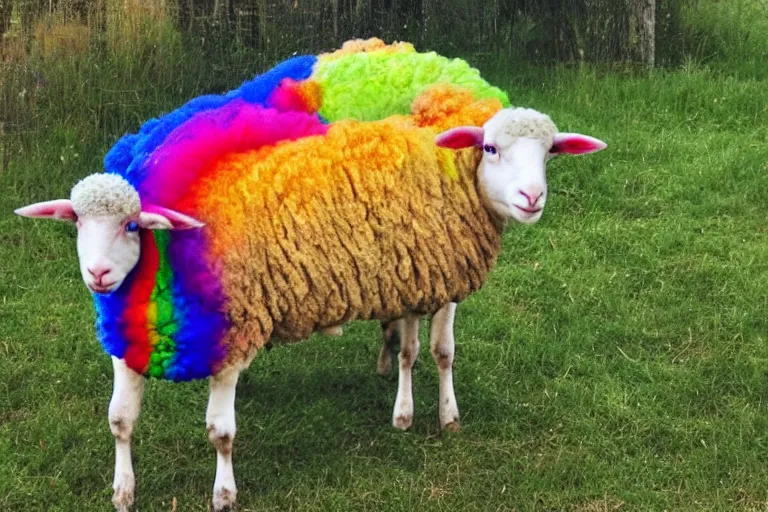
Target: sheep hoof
(452,426)
(403,421)
(335,331)
(384,366)
(224,499)
(122,499)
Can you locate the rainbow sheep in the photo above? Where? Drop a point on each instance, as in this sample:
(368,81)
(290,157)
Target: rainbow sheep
(248,216)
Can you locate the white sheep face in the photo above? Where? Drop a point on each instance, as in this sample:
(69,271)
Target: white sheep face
(517,144)
(108,248)
(109,216)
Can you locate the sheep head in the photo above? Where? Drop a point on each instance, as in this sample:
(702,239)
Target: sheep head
(517,143)
(109,215)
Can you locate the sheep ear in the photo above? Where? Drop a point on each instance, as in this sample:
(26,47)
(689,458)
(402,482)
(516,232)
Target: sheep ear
(157,217)
(58,209)
(461,137)
(576,144)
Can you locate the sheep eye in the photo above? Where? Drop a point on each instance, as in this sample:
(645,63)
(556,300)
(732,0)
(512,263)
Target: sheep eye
(489,149)
(132,227)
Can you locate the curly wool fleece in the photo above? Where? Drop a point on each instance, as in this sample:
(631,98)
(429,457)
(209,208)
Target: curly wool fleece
(512,124)
(365,222)
(174,316)
(104,195)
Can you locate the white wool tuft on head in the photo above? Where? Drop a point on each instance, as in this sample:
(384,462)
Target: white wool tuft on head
(512,123)
(104,194)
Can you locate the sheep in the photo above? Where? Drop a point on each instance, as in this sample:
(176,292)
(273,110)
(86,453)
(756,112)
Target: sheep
(377,66)
(250,221)
(382,68)
(364,80)
(493,136)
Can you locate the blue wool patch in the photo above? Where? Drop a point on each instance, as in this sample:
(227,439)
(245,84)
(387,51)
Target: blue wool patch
(197,296)
(197,302)
(129,155)
(109,313)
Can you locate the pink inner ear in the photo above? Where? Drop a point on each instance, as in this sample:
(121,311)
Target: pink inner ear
(461,137)
(59,209)
(576,144)
(177,219)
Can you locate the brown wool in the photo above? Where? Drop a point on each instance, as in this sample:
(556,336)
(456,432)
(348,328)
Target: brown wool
(377,228)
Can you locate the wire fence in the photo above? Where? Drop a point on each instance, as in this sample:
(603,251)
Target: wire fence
(544,30)
(110,64)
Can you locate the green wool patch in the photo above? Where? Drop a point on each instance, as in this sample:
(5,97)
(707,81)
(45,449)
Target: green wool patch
(162,297)
(372,86)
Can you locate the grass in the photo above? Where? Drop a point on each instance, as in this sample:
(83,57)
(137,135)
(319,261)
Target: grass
(617,358)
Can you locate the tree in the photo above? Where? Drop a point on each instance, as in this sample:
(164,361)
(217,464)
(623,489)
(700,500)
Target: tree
(643,30)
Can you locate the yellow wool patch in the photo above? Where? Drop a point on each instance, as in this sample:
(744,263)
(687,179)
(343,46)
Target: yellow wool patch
(373,44)
(152,323)
(446,157)
(291,175)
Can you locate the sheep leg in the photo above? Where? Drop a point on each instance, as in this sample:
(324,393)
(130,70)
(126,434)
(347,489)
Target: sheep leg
(441,344)
(123,412)
(402,417)
(391,338)
(220,423)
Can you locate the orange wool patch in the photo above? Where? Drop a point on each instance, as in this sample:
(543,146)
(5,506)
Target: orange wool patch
(304,95)
(446,106)
(310,92)
(356,160)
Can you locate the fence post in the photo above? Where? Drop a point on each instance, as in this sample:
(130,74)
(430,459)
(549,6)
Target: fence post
(643,30)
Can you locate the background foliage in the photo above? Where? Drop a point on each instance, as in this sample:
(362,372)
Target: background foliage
(119,61)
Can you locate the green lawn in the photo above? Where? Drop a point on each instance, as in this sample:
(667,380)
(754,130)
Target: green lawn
(617,358)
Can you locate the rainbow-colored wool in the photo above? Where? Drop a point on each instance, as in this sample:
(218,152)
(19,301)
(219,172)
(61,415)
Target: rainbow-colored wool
(168,320)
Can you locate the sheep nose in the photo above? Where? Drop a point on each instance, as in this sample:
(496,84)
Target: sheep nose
(532,196)
(98,272)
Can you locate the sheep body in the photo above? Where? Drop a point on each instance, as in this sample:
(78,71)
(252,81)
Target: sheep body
(300,235)
(175,328)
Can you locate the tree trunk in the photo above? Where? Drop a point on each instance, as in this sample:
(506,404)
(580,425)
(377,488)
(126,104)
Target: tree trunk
(221,11)
(335,7)
(6,8)
(262,37)
(643,30)
(360,26)
(426,21)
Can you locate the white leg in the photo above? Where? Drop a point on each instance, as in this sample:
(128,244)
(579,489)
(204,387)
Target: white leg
(123,412)
(391,337)
(441,344)
(220,422)
(402,417)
